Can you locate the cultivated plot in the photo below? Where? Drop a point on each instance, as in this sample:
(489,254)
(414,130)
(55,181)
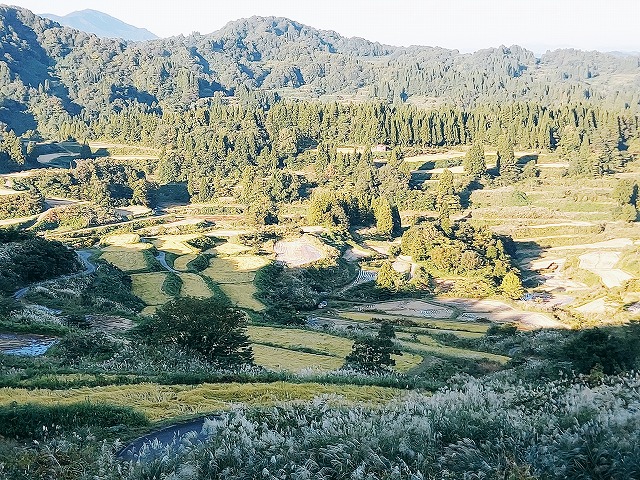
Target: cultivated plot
(148,287)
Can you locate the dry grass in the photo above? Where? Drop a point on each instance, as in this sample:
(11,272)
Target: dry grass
(161,402)
(194,286)
(181,262)
(148,287)
(282,359)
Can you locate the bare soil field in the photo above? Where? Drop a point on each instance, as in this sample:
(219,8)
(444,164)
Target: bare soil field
(497,311)
(602,263)
(298,252)
(410,308)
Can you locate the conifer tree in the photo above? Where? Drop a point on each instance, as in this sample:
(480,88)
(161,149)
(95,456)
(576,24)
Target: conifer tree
(373,355)
(474,162)
(511,286)
(506,161)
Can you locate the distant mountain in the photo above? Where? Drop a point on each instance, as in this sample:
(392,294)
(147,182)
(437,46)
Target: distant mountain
(103,25)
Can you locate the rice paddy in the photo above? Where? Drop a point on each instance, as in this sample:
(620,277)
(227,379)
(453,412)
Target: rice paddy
(181,262)
(161,402)
(276,358)
(148,287)
(232,270)
(194,286)
(175,243)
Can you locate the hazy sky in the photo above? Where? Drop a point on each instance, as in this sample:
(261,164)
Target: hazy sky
(463,24)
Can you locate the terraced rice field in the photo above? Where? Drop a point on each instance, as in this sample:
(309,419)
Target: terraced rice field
(425,323)
(296,338)
(229,248)
(160,402)
(148,287)
(322,343)
(292,361)
(232,270)
(175,243)
(128,258)
(428,346)
(242,295)
(181,262)
(126,252)
(194,286)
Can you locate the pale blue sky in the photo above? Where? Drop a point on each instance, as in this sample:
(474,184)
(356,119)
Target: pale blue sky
(463,24)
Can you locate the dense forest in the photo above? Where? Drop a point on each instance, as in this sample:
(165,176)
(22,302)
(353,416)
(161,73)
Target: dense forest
(50,74)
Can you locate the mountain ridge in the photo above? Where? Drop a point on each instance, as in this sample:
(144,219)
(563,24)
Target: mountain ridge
(42,61)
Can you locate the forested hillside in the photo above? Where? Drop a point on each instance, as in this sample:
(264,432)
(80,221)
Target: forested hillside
(49,73)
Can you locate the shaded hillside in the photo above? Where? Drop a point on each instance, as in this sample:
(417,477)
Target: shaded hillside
(50,73)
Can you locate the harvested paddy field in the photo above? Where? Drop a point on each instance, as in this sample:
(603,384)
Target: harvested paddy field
(602,263)
(460,309)
(181,262)
(193,285)
(148,287)
(160,402)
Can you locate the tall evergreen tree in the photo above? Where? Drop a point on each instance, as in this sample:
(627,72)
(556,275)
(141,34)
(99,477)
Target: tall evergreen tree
(506,161)
(474,162)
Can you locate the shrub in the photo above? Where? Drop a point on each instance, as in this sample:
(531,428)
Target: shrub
(211,328)
(32,421)
(172,284)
